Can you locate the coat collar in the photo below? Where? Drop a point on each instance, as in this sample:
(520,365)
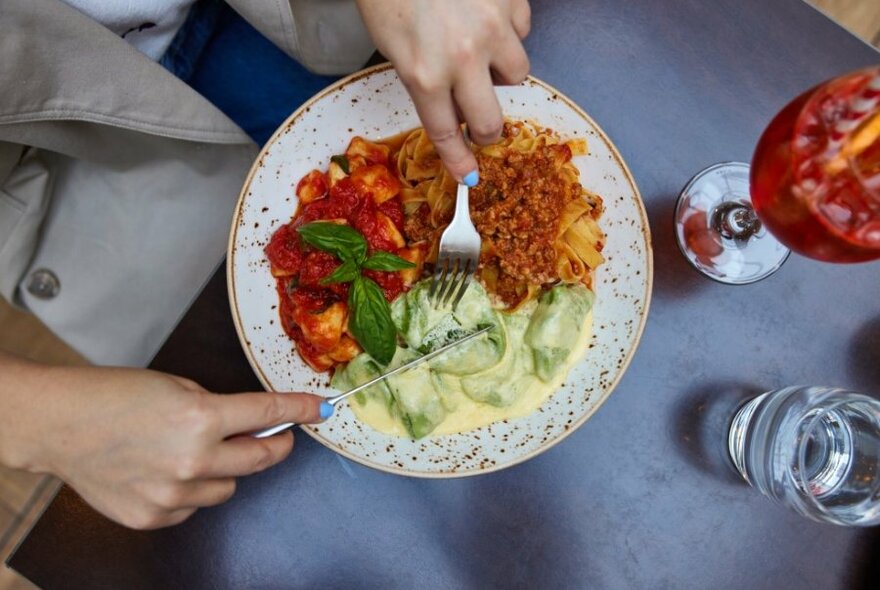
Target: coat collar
(59,65)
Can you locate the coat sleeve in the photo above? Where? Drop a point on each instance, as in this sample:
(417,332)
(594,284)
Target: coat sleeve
(326,36)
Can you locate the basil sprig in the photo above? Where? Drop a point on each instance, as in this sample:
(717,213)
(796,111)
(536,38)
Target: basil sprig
(370,322)
(344,242)
(344,273)
(380,260)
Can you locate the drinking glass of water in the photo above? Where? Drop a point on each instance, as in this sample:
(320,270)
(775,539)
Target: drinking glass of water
(814,449)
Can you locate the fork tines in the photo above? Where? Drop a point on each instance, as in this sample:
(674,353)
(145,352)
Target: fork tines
(453,277)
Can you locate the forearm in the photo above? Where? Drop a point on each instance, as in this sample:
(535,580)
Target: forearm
(24,389)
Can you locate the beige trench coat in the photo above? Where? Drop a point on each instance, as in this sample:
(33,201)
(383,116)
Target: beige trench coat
(118,179)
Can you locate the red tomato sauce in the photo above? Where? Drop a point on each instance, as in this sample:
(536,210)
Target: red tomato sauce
(300,269)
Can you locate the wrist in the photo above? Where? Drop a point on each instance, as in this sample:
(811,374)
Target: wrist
(23,392)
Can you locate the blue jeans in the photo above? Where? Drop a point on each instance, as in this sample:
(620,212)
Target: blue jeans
(241,72)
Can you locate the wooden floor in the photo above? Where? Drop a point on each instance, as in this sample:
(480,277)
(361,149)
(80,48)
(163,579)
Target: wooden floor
(861,17)
(23,495)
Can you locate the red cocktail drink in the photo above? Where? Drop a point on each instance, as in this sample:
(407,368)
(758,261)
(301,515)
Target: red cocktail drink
(815,175)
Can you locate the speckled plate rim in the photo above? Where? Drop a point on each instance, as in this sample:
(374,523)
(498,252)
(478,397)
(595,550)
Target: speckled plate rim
(600,400)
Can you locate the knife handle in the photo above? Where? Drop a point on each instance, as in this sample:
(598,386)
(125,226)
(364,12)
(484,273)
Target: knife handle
(273,430)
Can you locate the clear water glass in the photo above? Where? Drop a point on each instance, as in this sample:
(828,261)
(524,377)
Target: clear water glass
(814,449)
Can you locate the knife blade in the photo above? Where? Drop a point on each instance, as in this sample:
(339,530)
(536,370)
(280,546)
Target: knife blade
(404,367)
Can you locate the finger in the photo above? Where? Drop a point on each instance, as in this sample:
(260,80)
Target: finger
(476,97)
(175,496)
(438,115)
(458,114)
(245,455)
(178,516)
(211,492)
(246,412)
(510,65)
(149,518)
(521,18)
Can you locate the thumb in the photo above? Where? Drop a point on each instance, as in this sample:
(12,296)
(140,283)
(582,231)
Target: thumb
(247,412)
(307,408)
(304,408)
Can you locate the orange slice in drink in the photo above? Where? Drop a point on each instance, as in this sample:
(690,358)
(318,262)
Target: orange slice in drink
(863,138)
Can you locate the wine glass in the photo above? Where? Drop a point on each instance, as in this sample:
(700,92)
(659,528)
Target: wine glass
(813,187)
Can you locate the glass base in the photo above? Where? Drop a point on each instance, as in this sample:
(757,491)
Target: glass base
(736,437)
(718,232)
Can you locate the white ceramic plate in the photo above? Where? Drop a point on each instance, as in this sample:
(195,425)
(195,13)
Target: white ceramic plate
(374,104)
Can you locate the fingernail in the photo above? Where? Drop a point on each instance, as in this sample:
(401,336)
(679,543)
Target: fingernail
(471,179)
(326,410)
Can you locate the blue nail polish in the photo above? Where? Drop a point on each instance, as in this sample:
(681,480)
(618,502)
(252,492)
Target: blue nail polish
(471,179)
(326,410)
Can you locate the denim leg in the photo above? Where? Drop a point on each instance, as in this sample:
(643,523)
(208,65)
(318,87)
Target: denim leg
(241,72)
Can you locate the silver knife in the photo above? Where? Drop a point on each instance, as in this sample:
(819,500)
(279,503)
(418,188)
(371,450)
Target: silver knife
(338,398)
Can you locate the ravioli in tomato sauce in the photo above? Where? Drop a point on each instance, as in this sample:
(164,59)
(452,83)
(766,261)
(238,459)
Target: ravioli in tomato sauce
(359,189)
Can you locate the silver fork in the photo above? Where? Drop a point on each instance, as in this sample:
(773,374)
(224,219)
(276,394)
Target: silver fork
(458,256)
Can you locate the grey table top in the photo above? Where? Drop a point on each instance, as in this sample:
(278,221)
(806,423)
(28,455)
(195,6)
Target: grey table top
(639,497)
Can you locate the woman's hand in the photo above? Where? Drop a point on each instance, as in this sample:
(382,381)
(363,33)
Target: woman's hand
(448,53)
(144,448)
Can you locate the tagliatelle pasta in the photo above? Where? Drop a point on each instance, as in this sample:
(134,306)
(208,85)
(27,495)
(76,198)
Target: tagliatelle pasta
(538,224)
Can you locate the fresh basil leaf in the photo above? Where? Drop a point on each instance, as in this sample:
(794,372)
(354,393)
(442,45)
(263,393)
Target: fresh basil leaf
(345,272)
(342,162)
(344,242)
(380,260)
(370,320)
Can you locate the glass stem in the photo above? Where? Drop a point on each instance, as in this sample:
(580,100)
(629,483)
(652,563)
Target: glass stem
(736,220)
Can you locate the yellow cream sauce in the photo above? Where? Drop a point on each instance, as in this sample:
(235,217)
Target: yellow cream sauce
(465,414)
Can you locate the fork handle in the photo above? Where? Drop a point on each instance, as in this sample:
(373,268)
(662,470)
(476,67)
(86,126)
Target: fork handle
(462,204)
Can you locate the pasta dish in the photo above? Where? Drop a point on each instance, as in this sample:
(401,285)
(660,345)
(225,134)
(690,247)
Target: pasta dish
(349,269)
